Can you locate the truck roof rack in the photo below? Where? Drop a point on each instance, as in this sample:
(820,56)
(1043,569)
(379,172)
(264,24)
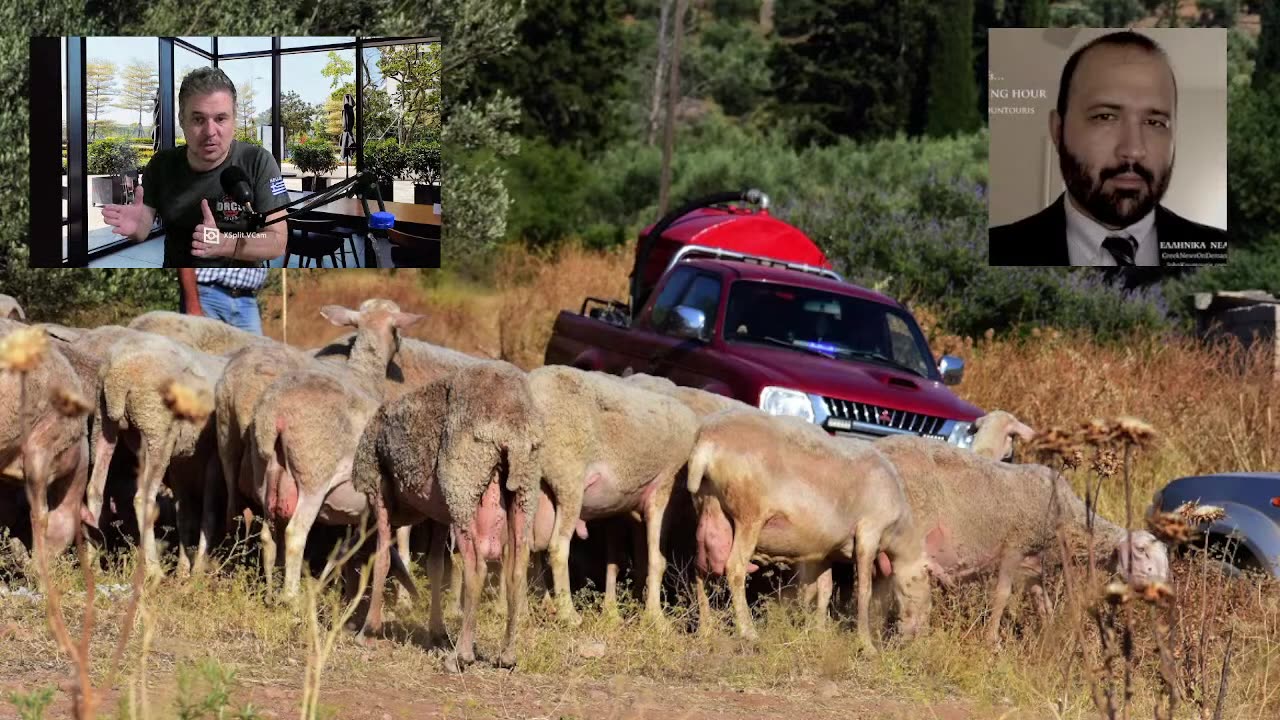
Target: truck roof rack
(689,252)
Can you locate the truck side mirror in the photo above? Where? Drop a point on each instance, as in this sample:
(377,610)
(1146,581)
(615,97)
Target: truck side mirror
(687,322)
(952,369)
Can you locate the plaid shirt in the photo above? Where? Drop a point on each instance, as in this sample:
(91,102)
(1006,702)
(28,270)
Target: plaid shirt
(235,278)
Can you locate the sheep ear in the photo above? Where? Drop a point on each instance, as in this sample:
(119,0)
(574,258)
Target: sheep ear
(340,316)
(1023,431)
(404,319)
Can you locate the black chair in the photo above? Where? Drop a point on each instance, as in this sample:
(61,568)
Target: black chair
(413,251)
(314,239)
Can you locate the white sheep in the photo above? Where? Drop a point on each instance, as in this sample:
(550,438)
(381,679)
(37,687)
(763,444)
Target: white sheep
(135,381)
(11,309)
(305,429)
(202,333)
(980,517)
(995,432)
(610,449)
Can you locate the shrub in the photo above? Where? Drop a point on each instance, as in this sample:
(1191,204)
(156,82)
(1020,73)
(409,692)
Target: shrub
(111,156)
(314,157)
(423,162)
(385,159)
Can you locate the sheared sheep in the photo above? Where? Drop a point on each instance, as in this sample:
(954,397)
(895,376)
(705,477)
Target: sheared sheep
(42,437)
(202,333)
(979,516)
(137,382)
(779,488)
(701,402)
(11,309)
(461,451)
(611,449)
(994,434)
(305,430)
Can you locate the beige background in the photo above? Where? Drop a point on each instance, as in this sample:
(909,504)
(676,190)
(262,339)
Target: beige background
(1024,164)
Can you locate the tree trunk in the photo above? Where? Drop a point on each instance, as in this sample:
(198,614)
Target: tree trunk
(673,99)
(655,105)
(766,17)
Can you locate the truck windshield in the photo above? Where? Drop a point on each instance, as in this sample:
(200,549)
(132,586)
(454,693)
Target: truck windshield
(824,323)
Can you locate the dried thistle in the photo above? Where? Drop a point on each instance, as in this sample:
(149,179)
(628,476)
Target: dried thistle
(1132,431)
(186,402)
(1157,593)
(1096,433)
(1117,592)
(69,403)
(22,350)
(1106,462)
(1054,442)
(1207,514)
(1074,460)
(1170,527)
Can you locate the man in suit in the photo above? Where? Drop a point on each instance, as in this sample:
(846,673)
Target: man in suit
(1113,130)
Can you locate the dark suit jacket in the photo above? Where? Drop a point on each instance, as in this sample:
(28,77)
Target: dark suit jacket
(1041,239)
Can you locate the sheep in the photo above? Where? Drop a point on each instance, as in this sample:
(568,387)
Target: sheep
(305,430)
(701,402)
(979,516)
(611,449)
(461,451)
(779,488)
(42,434)
(136,381)
(11,309)
(994,434)
(202,333)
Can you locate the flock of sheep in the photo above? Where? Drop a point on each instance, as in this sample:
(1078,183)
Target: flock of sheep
(395,432)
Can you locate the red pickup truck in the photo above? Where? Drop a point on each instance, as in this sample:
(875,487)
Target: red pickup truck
(737,302)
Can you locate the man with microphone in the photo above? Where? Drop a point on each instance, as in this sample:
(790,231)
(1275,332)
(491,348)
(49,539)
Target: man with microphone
(207,193)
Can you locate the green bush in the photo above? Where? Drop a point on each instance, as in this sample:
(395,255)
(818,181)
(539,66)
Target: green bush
(314,157)
(385,159)
(423,162)
(111,156)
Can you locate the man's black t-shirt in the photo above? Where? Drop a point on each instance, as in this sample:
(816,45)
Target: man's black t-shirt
(174,190)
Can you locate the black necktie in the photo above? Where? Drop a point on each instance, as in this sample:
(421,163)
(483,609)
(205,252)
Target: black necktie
(1122,248)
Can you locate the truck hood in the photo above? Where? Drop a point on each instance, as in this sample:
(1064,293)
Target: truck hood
(857,381)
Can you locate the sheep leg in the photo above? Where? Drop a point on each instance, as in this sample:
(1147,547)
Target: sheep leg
(208,517)
(381,563)
(157,453)
(403,597)
(232,458)
(473,572)
(815,589)
(182,500)
(1041,601)
(745,535)
(517,576)
(568,511)
(106,432)
(439,637)
(656,567)
(295,541)
(267,536)
(1000,598)
(866,546)
(611,540)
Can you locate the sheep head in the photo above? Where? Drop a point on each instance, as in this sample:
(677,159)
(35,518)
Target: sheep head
(995,433)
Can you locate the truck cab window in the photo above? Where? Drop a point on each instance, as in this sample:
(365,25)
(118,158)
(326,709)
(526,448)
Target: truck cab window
(704,295)
(671,292)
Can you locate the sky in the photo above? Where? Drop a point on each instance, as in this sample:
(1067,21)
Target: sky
(299,73)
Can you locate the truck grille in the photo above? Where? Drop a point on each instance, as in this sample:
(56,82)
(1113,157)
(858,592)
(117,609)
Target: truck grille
(888,418)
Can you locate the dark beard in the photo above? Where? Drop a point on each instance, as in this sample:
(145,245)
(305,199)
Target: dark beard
(1103,205)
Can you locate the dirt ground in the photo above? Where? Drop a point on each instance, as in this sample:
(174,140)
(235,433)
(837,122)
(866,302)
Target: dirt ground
(484,692)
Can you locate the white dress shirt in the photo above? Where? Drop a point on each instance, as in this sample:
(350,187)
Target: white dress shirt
(1085,236)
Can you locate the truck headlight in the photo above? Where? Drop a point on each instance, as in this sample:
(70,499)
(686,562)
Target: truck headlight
(785,401)
(961,435)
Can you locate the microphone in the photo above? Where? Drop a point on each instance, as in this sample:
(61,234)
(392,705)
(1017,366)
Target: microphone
(236,184)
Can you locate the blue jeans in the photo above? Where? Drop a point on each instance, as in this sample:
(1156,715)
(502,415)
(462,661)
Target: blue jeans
(241,312)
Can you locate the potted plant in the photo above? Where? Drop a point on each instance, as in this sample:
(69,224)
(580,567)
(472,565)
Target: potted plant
(109,160)
(313,157)
(423,160)
(386,160)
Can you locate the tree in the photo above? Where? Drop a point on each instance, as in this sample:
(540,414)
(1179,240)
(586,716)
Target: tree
(567,70)
(416,72)
(1026,13)
(100,89)
(245,105)
(140,83)
(850,68)
(338,69)
(953,93)
(1267,62)
(295,114)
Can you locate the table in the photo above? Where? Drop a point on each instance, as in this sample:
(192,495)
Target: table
(421,220)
